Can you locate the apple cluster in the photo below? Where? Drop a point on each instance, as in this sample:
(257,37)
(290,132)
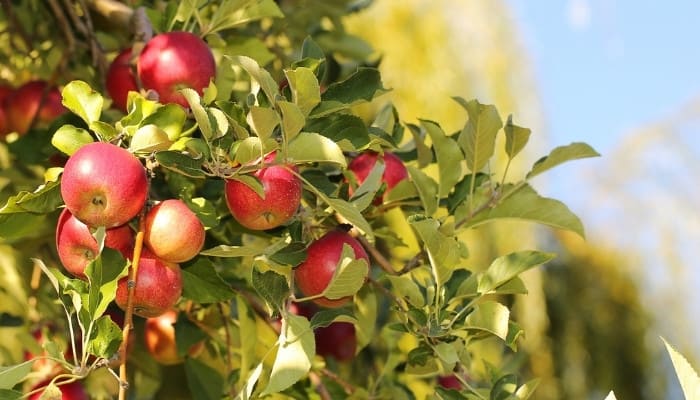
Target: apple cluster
(169,62)
(35,102)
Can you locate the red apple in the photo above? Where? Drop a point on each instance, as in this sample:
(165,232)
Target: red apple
(121,79)
(394,169)
(77,247)
(5,91)
(337,340)
(104,185)
(173,232)
(158,286)
(449,382)
(282,196)
(69,391)
(32,101)
(175,60)
(160,339)
(314,274)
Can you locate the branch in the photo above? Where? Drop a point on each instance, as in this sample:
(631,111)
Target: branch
(377,255)
(113,11)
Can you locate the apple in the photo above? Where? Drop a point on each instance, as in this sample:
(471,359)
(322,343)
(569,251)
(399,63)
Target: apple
(282,196)
(35,100)
(175,60)
(69,391)
(159,334)
(77,247)
(5,91)
(104,185)
(158,286)
(449,382)
(337,340)
(121,79)
(322,256)
(394,169)
(173,232)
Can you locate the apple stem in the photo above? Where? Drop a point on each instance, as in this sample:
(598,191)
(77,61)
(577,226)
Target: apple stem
(128,315)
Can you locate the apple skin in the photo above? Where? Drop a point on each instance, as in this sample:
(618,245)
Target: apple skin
(159,335)
(175,60)
(77,247)
(5,92)
(104,185)
(121,79)
(173,232)
(337,340)
(158,286)
(27,103)
(282,190)
(69,391)
(314,274)
(394,169)
(449,382)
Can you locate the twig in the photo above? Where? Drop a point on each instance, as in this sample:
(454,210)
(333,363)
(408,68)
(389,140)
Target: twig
(15,25)
(347,387)
(113,11)
(320,387)
(227,332)
(64,24)
(377,255)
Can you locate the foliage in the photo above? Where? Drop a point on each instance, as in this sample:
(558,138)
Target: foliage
(276,89)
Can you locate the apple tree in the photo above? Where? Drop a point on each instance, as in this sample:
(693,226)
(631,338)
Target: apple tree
(205,213)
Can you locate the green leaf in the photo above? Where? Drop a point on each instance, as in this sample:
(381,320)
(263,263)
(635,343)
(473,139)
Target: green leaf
(349,276)
(7,394)
(310,147)
(292,119)
(296,350)
(249,150)
(68,139)
(263,121)
(201,283)
(204,382)
(233,251)
(687,376)
(260,75)
(560,155)
(514,333)
(527,389)
(348,131)
(406,288)
(365,193)
(507,267)
(45,199)
(327,316)
(366,312)
(14,374)
(199,112)
(170,118)
(83,101)
(478,137)
(446,352)
(489,316)
(7,320)
(187,334)
(526,204)
(443,251)
(180,163)
(106,338)
(610,396)
(352,215)
(205,211)
(427,189)
(271,286)
(293,254)
(516,137)
(231,14)
(103,274)
(247,335)
(306,93)
(449,157)
(361,86)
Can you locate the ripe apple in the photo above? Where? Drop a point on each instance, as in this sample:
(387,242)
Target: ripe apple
(69,391)
(121,79)
(337,340)
(160,339)
(104,185)
(314,274)
(5,91)
(282,196)
(394,169)
(449,382)
(175,60)
(34,100)
(158,286)
(173,232)
(77,247)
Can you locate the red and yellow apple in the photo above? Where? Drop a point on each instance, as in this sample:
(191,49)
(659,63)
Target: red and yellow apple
(280,200)
(104,185)
(35,101)
(121,79)
(323,255)
(173,232)
(175,60)
(160,341)
(77,247)
(394,169)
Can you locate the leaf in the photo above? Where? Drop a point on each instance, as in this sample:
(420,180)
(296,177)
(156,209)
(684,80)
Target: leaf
(363,85)
(260,75)
(187,334)
(311,147)
(560,155)
(507,267)
(7,394)
(365,193)
(610,396)
(526,204)
(13,374)
(45,199)
(68,139)
(516,137)
(292,254)
(292,119)
(443,251)
(201,283)
(348,131)
(427,189)
(271,286)
(366,311)
(83,101)
(180,163)
(406,288)
(199,112)
(7,319)
(478,137)
(170,118)
(352,215)
(527,389)
(687,376)
(306,92)
(326,316)
(247,333)
(232,251)
(231,14)
(296,350)
(103,274)
(106,338)
(446,352)
(204,382)
(449,157)
(348,277)
(489,316)
(263,121)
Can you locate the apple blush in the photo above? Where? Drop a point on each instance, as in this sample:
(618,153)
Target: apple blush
(394,169)
(173,232)
(121,80)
